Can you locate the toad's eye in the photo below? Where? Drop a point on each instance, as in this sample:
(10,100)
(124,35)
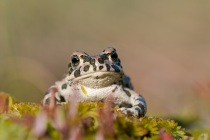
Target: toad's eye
(114,56)
(75,61)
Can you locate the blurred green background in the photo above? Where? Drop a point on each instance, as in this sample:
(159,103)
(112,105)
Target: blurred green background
(164,47)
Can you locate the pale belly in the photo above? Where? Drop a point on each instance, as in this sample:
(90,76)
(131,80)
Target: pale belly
(83,93)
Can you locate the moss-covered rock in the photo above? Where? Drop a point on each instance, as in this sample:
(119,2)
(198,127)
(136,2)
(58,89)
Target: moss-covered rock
(87,120)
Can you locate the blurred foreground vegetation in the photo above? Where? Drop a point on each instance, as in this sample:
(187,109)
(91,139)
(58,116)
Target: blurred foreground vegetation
(88,120)
(163,45)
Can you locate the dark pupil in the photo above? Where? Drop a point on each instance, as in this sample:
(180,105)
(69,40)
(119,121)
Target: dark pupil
(75,60)
(114,56)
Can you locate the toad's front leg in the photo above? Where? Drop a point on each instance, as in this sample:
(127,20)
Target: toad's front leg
(59,92)
(136,106)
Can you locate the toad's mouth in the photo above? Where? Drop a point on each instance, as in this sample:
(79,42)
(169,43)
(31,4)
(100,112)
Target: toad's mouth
(98,79)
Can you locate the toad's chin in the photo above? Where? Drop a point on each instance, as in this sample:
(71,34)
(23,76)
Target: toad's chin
(98,79)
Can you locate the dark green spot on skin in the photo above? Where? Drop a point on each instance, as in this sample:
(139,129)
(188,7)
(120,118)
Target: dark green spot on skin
(114,57)
(62,99)
(140,106)
(116,68)
(114,89)
(94,67)
(105,56)
(64,86)
(69,65)
(138,109)
(127,93)
(101,61)
(124,104)
(92,61)
(142,110)
(108,67)
(101,67)
(85,58)
(86,68)
(119,64)
(70,71)
(77,73)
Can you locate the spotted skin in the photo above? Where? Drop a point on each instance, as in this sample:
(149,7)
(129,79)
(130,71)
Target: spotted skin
(94,78)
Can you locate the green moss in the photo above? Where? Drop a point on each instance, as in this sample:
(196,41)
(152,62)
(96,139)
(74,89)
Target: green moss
(201,133)
(21,109)
(86,120)
(10,131)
